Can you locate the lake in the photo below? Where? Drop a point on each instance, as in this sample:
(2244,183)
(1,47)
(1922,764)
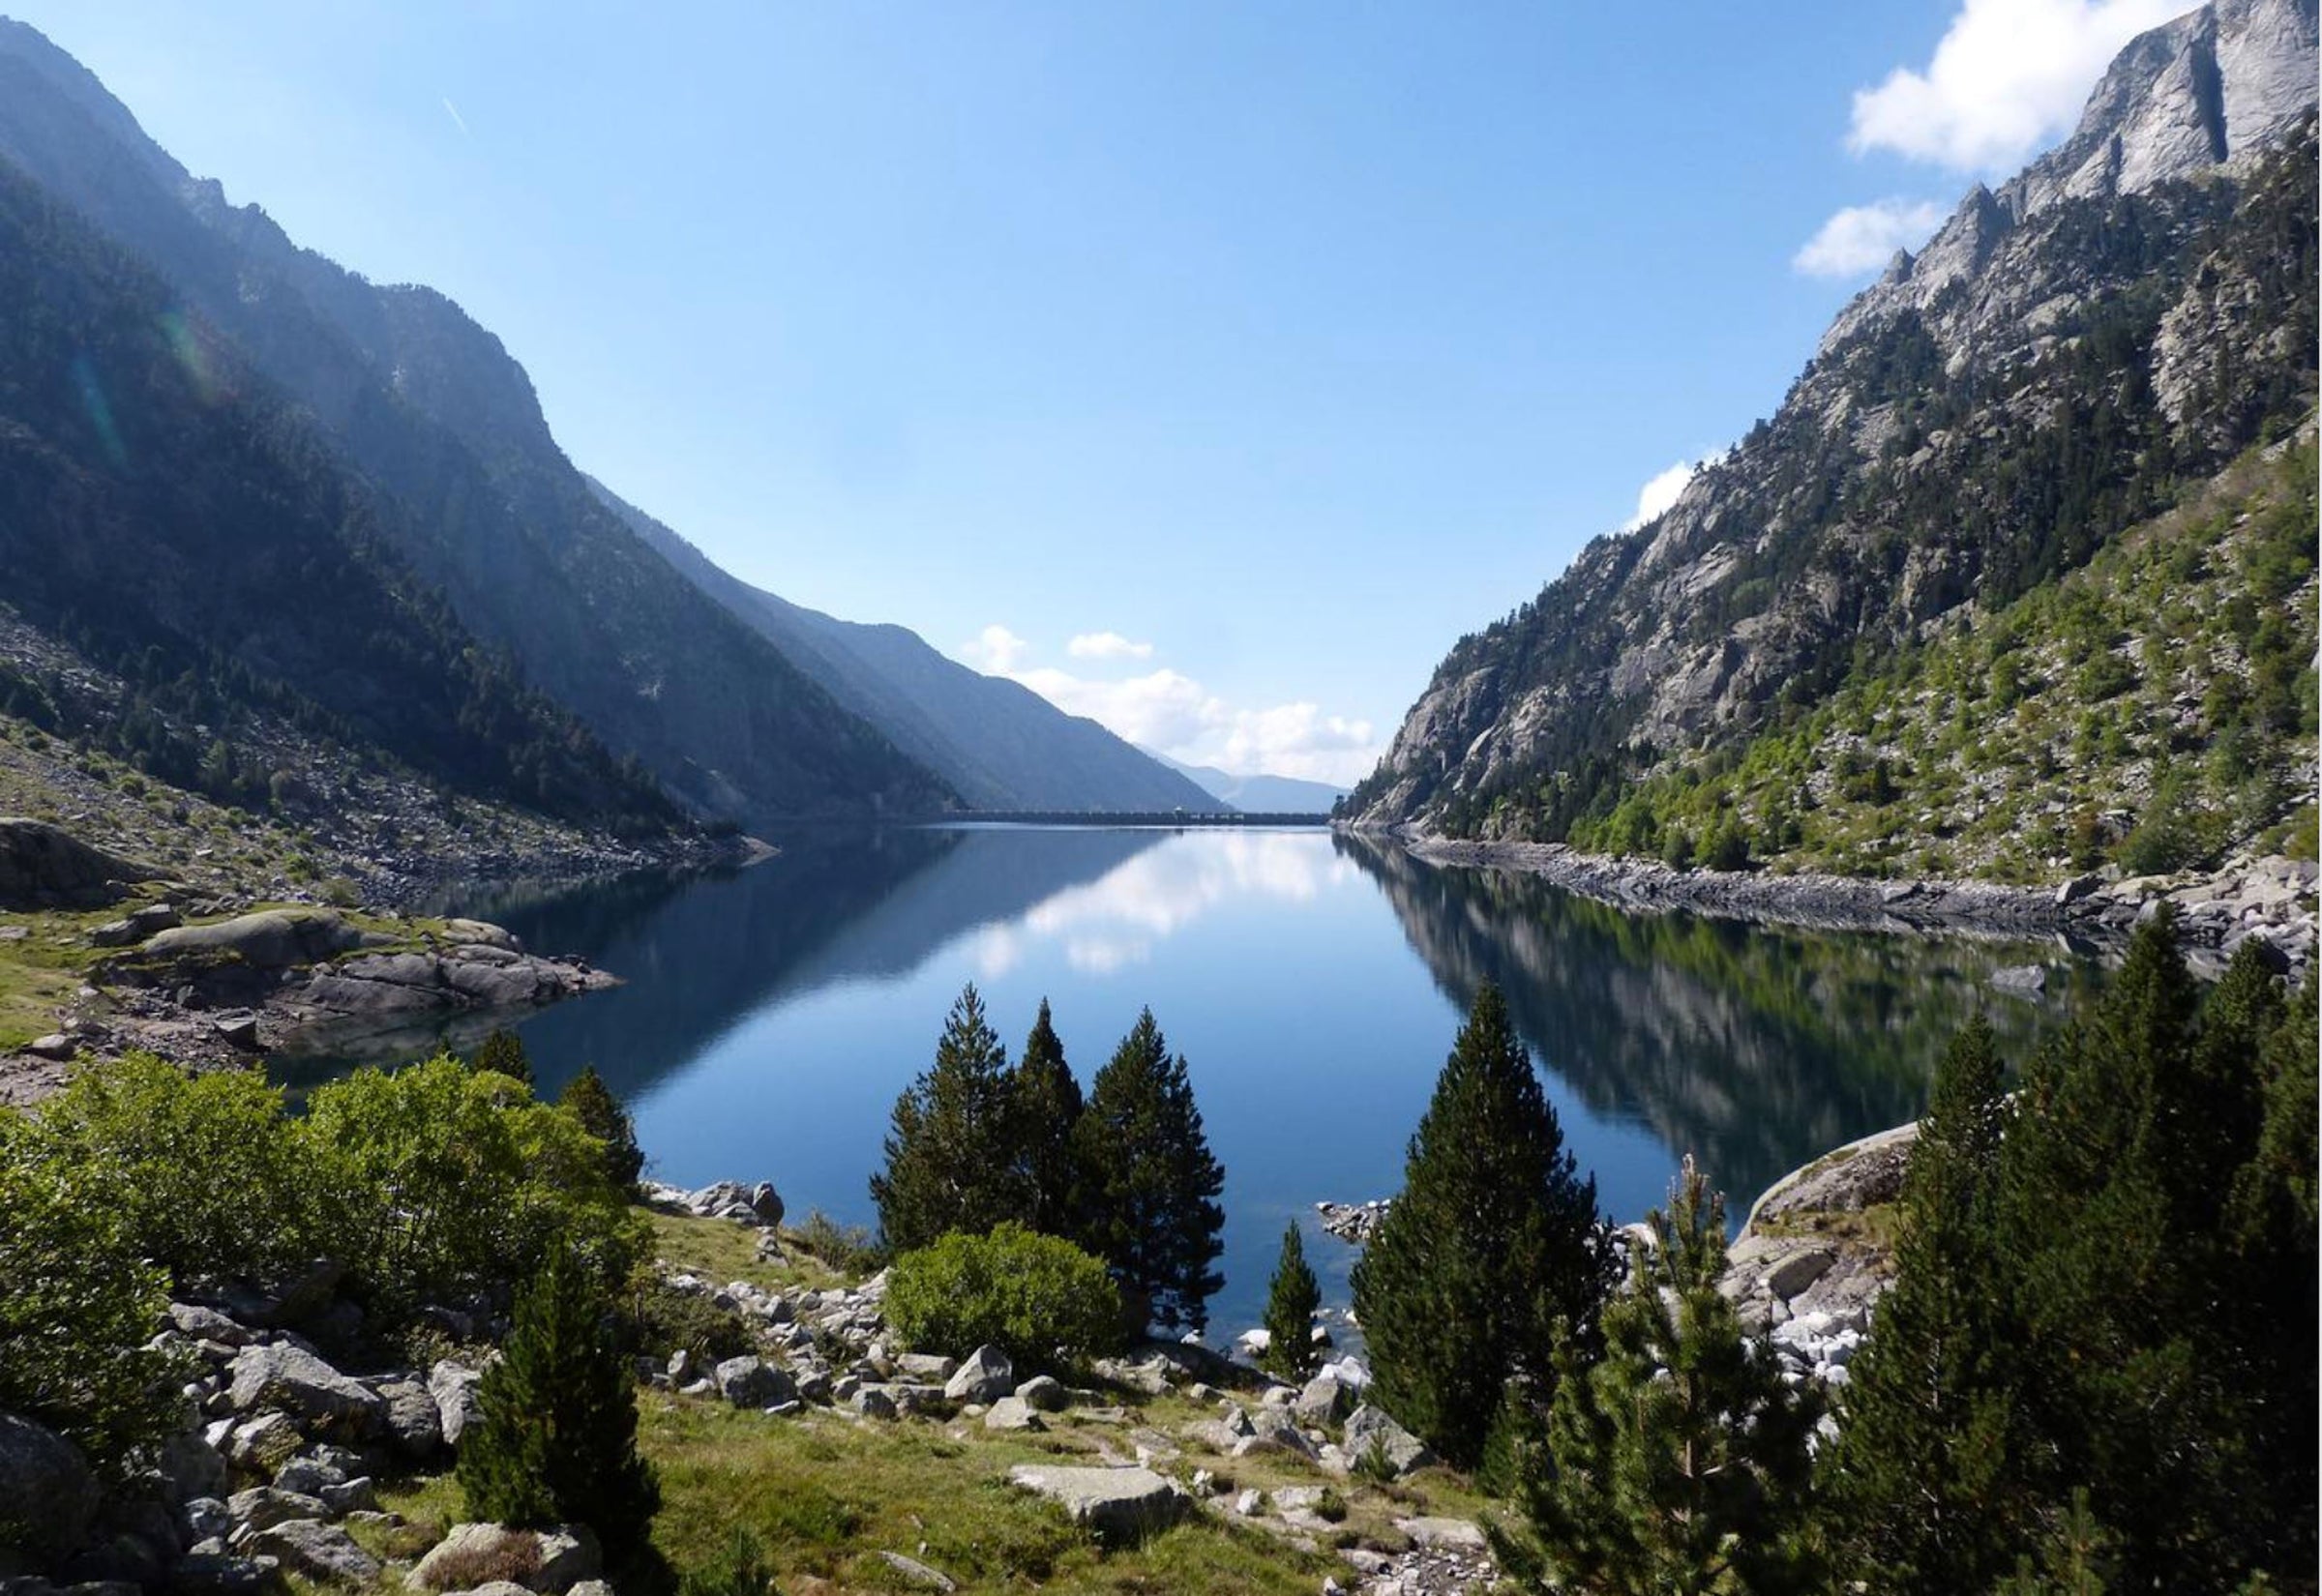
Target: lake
(1314,984)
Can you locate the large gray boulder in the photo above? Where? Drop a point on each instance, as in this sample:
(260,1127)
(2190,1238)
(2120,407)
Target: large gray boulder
(473,1555)
(1118,1503)
(414,1423)
(45,866)
(454,1386)
(47,1496)
(1325,1400)
(986,1376)
(271,939)
(753,1382)
(262,1507)
(283,1379)
(1371,1433)
(317,1550)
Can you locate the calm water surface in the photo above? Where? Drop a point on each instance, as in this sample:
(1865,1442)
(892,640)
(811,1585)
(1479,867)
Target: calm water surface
(1314,985)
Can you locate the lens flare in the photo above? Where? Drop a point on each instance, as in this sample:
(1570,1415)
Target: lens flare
(195,356)
(100,411)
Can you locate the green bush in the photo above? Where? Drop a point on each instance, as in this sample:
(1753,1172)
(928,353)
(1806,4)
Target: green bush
(667,1320)
(77,1302)
(447,1181)
(198,1170)
(1026,1294)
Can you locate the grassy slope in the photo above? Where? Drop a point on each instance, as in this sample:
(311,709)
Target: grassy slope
(826,1493)
(2031,742)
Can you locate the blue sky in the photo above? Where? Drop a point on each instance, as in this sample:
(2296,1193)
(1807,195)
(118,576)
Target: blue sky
(1263,349)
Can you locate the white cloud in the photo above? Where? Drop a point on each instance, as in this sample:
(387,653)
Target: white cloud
(2007,77)
(1862,239)
(1166,709)
(1661,489)
(1107,646)
(994,650)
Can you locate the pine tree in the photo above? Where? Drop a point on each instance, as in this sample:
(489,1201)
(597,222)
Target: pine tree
(556,1443)
(1290,1307)
(503,1053)
(1927,1473)
(950,1149)
(1048,1108)
(1679,1462)
(1494,1237)
(602,1116)
(1153,1214)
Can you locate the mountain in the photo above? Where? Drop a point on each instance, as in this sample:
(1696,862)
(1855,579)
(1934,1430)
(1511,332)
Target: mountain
(187,535)
(999,744)
(2067,361)
(441,420)
(1259,794)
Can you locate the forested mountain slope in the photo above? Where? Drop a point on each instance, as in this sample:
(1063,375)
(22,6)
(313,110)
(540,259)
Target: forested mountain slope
(2065,360)
(998,743)
(166,512)
(435,412)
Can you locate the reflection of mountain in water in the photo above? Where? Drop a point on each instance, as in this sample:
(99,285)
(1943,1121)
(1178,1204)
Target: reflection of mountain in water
(702,954)
(1745,1045)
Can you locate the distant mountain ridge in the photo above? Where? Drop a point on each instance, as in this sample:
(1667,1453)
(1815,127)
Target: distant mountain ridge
(433,411)
(2067,356)
(1259,794)
(999,744)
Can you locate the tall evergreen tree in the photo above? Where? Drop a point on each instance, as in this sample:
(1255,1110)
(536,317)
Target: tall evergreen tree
(951,1148)
(1679,1461)
(1927,1473)
(1494,1237)
(1153,1214)
(602,1116)
(503,1053)
(1291,1302)
(556,1443)
(1048,1108)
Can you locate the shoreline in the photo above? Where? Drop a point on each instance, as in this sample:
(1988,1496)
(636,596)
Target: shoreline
(2270,898)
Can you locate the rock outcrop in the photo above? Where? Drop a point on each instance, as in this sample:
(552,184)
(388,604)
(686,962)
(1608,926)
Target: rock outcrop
(46,867)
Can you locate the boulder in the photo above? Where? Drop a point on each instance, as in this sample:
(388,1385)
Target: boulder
(1445,1534)
(454,1386)
(873,1402)
(471,1556)
(917,1573)
(262,1445)
(317,1550)
(271,939)
(1797,1271)
(1370,1434)
(38,1466)
(753,1382)
(1012,1414)
(283,1379)
(1044,1393)
(1325,1400)
(927,1365)
(1119,1503)
(986,1376)
(225,1573)
(264,1506)
(45,866)
(201,1323)
(414,1423)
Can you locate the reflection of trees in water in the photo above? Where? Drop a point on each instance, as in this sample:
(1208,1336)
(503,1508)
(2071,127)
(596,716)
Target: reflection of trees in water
(700,954)
(1750,1046)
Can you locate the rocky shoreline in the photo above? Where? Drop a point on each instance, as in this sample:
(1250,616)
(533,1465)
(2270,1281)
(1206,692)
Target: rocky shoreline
(2272,900)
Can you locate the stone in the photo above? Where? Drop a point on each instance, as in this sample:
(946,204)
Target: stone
(262,1507)
(239,1030)
(356,1495)
(200,1323)
(1012,1414)
(2030,979)
(1324,1400)
(927,1365)
(1444,1534)
(454,1386)
(548,1560)
(317,1550)
(986,1376)
(917,1573)
(262,1445)
(753,1382)
(1371,1433)
(414,1423)
(1250,1504)
(873,1402)
(289,1379)
(1117,1503)
(225,1573)
(1044,1393)
(43,866)
(1797,1271)
(192,1466)
(37,1465)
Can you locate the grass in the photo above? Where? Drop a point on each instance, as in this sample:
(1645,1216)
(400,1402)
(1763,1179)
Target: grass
(43,969)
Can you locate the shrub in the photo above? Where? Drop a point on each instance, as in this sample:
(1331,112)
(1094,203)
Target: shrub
(849,1249)
(448,1180)
(76,1304)
(200,1170)
(1026,1294)
(601,1114)
(740,1570)
(666,1319)
(1290,1306)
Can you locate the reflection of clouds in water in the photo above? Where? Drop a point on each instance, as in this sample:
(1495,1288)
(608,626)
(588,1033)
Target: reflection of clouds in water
(1115,921)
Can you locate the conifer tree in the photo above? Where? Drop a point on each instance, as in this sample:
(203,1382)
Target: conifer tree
(1927,1472)
(951,1148)
(557,1441)
(1494,1237)
(1679,1461)
(1047,1109)
(602,1116)
(503,1053)
(1153,1214)
(1290,1307)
